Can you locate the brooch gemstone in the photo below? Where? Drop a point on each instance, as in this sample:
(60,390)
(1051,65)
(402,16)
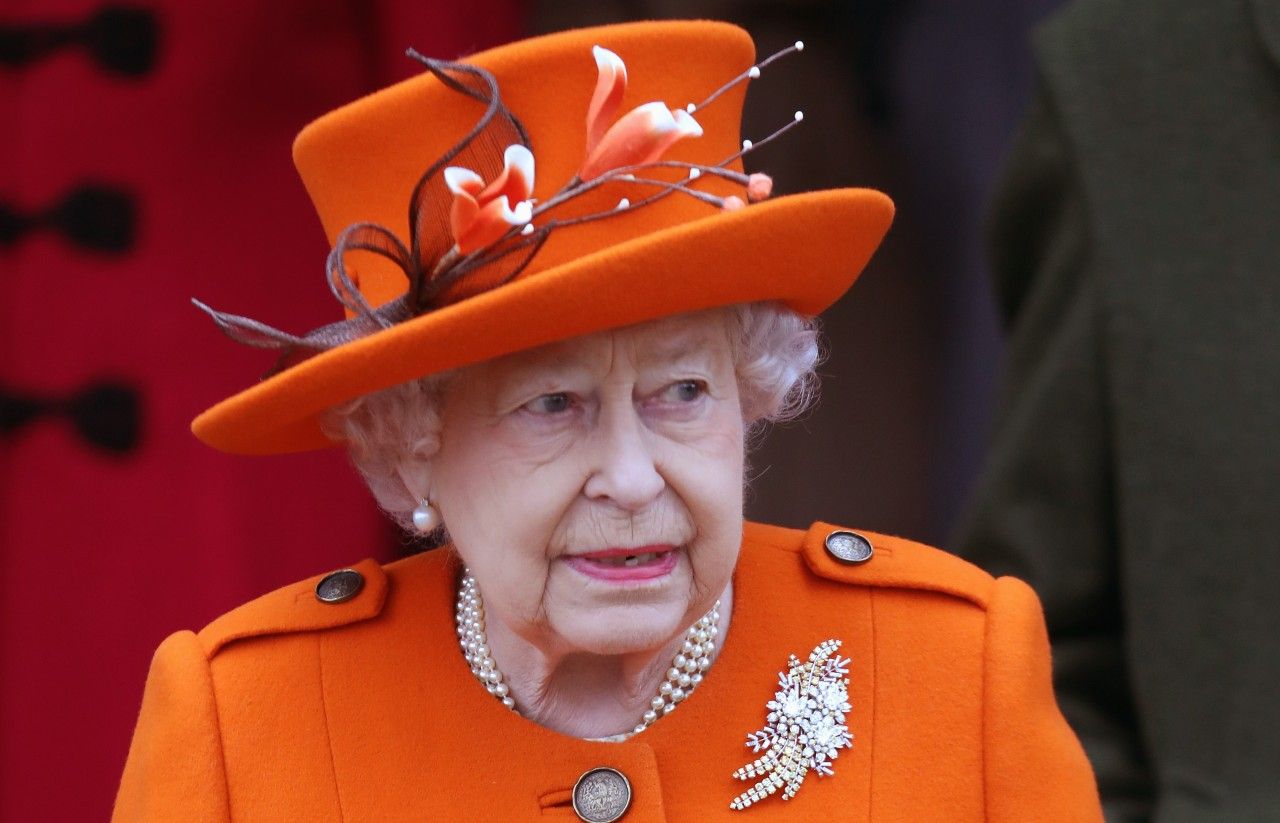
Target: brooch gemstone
(805,727)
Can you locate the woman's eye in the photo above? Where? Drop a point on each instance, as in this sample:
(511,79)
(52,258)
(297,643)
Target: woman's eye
(685,391)
(556,403)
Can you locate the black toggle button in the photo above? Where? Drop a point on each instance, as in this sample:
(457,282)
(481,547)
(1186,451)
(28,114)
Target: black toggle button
(120,39)
(92,216)
(105,414)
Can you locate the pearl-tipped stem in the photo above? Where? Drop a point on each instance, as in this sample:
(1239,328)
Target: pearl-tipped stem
(482,257)
(750,146)
(750,74)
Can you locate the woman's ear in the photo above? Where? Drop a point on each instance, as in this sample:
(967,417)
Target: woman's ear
(415,475)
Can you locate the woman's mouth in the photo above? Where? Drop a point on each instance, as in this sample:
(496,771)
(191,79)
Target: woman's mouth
(624,565)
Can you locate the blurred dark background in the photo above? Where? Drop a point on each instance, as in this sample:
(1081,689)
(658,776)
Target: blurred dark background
(145,160)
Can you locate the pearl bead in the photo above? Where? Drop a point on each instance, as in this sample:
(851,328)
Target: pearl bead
(694,657)
(425,517)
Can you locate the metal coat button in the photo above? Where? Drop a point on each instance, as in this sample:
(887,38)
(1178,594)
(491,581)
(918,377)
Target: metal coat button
(339,586)
(602,795)
(848,547)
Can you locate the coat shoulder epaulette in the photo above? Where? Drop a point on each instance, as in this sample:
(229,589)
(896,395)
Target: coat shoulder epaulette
(880,560)
(326,601)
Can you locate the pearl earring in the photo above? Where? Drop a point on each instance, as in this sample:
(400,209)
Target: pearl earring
(425,517)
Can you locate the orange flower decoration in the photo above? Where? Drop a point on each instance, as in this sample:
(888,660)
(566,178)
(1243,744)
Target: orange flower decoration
(481,214)
(640,136)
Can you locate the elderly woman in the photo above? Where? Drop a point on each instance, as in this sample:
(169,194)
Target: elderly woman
(554,365)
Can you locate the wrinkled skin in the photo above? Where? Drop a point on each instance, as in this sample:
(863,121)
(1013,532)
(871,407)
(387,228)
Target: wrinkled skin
(624,438)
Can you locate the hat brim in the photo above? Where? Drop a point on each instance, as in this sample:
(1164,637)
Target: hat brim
(804,250)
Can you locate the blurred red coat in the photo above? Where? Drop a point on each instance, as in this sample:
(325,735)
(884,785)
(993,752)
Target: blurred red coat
(177,117)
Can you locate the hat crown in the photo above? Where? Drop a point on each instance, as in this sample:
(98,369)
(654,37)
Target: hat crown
(361,162)
(685,241)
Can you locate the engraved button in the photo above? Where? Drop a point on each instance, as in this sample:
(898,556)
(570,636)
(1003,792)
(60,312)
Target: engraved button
(602,795)
(340,586)
(848,547)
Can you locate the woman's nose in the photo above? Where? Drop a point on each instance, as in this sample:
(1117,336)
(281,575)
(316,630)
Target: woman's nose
(624,471)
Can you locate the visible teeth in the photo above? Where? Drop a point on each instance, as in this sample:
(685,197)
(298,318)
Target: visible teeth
(628,561)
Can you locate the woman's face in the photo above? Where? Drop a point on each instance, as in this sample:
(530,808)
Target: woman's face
(594,486)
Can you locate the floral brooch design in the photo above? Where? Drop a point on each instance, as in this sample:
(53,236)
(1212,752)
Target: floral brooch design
(805,729)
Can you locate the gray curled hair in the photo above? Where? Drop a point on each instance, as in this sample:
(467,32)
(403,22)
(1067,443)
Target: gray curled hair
(776,351)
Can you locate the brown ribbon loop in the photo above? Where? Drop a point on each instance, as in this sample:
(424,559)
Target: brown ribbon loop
(427,263)
(437,273)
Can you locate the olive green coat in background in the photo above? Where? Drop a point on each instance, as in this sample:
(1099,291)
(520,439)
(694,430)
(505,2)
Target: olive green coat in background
(1135,474)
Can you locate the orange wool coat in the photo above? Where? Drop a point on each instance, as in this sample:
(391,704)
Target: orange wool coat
(291,709)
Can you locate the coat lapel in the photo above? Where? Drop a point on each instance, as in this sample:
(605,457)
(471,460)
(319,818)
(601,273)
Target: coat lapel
(411,730)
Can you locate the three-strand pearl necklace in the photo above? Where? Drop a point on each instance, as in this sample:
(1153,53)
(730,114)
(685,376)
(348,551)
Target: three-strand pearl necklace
(686,672)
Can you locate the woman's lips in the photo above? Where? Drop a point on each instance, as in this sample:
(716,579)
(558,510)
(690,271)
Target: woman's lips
(625,565)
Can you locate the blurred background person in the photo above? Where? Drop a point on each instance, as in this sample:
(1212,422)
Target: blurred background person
(1133,477)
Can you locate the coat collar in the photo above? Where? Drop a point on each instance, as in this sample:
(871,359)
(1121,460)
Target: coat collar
(391,683)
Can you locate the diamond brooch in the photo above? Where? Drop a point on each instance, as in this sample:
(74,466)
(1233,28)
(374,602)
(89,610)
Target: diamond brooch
(805,728)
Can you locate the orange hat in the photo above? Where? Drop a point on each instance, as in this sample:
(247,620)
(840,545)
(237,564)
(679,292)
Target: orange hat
(528,228)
